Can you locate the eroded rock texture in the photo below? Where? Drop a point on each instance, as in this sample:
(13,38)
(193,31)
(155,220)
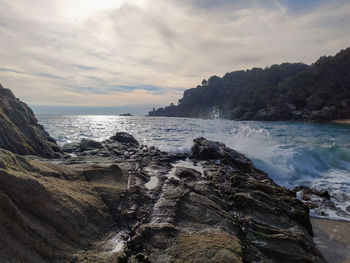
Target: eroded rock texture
(122,202)
(19,129)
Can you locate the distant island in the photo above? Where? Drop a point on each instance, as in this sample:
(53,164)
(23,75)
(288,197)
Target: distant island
(289,91)
(126,114)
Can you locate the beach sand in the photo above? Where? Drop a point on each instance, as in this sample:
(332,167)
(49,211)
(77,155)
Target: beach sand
(332,238)
(345,121)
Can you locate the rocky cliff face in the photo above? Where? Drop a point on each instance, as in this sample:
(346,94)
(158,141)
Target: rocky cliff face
(19,130)
(118,201)
(320,92)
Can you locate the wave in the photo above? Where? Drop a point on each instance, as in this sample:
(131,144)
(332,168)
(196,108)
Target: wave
(290,153)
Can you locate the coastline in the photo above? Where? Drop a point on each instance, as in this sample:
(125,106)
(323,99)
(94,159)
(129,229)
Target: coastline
(332,238)
(342,121)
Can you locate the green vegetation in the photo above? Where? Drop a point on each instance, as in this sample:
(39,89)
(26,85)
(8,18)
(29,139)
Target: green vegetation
(290,91)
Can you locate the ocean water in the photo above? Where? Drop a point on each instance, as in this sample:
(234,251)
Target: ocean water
(316,155)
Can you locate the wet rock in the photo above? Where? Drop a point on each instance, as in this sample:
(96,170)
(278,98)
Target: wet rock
(204,149)
(96,202)
(124,137)
(307,191)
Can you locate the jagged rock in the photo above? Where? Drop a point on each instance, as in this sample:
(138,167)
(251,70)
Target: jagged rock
(88,209)
(204,149)
(124,137)
(19,129)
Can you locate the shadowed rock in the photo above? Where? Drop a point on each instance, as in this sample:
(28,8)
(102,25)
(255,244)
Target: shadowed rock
(19,129)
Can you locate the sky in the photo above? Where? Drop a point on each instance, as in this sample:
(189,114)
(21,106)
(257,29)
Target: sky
(135,54)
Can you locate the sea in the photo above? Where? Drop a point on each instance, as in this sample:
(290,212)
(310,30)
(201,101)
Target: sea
(291,153)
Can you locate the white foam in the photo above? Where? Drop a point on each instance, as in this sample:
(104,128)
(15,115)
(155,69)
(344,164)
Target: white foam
(316,155)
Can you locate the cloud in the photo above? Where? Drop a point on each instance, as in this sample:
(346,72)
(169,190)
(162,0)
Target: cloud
(88,90)
(10,70)
(75,52)
(126,88)
(83,67)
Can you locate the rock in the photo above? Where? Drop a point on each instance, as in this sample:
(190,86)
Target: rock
(272,114)
(238,112)
(317,101)
(48,212)
(247,116)
(87,144)
(307,191)
(297,113)
(88,209)
(323,115)
(126,114)
(124,137)
(204,149)
(71,147)
(291,106)
(19,129)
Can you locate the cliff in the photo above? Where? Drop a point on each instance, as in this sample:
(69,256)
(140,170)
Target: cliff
(320,92)
(19,129)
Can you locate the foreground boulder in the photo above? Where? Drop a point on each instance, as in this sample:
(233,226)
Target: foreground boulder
(123,202)
(19,129)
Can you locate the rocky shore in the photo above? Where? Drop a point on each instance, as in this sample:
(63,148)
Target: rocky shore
(119,201)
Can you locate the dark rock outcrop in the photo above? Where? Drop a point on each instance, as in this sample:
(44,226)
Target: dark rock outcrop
(19,129)
(124,137)
(84,145)
(125,202)
(320,92)
(87,144)
(325,114)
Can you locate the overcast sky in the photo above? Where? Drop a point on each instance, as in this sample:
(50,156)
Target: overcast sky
(146,52)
